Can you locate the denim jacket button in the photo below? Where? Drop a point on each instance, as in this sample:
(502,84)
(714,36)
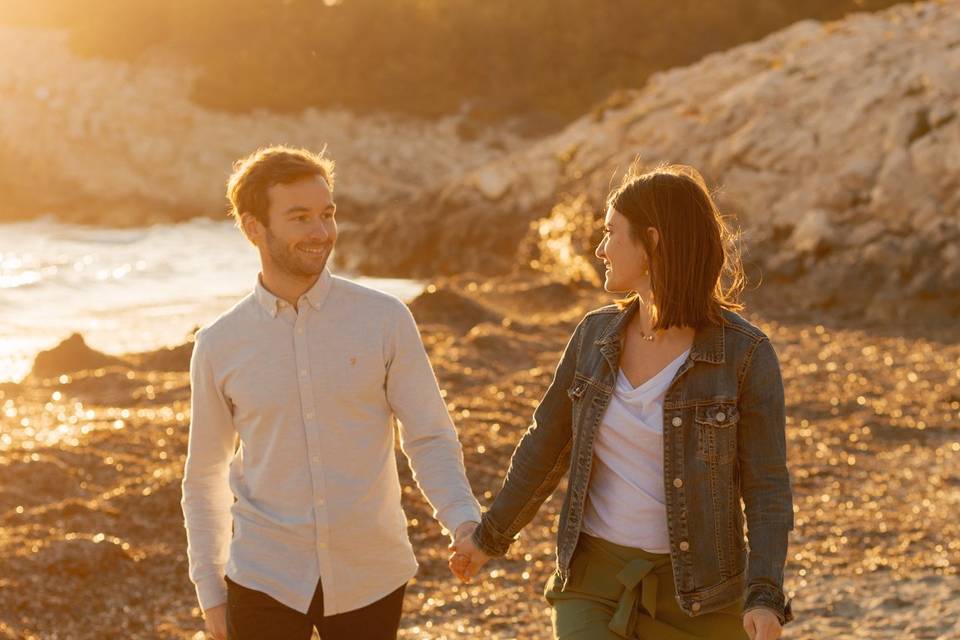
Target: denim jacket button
(677,482)
(677,422)
(721,416)
(695,606)
(684,546)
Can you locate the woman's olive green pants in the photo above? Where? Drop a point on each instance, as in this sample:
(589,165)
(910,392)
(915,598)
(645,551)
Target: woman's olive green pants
(620,592)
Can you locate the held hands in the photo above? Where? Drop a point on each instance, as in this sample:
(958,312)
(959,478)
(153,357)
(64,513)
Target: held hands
(761,624)
(466,558)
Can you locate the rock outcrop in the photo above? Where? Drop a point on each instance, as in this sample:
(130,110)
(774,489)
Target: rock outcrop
(69,356)
(836,146)
(114,143)
(73,355)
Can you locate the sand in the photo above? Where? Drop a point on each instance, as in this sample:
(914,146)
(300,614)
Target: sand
(92,543)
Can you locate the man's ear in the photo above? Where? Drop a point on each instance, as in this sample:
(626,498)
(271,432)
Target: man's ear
(252,228)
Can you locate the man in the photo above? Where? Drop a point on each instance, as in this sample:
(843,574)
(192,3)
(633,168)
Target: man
(308,372)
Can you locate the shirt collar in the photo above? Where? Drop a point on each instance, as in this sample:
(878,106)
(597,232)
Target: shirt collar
(318,292)
(315,295)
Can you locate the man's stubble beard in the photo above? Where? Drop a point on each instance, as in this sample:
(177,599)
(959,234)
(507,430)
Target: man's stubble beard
(288,261)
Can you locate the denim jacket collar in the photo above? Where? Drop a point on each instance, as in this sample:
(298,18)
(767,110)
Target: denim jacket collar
(708,342)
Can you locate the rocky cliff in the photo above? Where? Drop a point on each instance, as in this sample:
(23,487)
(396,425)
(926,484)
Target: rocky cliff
(121,143)
(836,146)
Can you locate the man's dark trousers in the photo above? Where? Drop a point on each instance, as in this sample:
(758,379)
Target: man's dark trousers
(253,615)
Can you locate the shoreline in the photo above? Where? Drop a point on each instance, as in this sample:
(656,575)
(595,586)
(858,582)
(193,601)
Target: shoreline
(127,290)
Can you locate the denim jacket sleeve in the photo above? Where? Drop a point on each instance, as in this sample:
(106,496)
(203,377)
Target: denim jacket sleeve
(765,481)
(539,462)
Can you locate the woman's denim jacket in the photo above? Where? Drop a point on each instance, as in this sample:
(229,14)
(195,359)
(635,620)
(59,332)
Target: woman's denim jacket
(723,440)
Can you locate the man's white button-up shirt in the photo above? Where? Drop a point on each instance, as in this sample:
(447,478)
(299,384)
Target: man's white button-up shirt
(312,490)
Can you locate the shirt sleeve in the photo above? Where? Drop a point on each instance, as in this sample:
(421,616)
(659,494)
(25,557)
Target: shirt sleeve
(206,490)
(427,435)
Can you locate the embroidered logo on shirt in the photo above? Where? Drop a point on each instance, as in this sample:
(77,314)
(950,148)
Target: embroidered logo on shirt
(353,360)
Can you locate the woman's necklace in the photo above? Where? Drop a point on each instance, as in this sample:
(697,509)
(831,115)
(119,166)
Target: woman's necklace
(644,335)
(635,325)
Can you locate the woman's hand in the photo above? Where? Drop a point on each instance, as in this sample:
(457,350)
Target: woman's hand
(466,559)
(762,624)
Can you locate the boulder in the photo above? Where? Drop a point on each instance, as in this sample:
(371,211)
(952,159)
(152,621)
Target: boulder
(70,356)
(814,233)
(448,306)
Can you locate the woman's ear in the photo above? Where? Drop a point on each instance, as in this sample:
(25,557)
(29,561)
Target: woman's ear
(654,236)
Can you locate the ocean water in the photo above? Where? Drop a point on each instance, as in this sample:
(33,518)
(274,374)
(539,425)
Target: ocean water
(124,290)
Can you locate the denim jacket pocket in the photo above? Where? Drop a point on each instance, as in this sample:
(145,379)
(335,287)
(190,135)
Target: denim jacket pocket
(717,432)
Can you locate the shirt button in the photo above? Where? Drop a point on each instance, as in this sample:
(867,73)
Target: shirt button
(300,330)
(677,422)
(315,458)
(309,415)
(684,546)
(695,606)
(321,501)
(323,545)
(303,372)
(721,416)
(677,482)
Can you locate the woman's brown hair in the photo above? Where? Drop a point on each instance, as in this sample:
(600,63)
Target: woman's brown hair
(695,268)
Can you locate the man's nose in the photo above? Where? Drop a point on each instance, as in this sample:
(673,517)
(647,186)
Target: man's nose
(319,231)
(599,252)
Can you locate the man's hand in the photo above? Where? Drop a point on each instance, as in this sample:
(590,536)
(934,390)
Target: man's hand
(762,624)
(467,558)
(215,622)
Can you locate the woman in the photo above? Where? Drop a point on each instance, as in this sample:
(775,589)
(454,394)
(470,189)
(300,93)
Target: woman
(667,408)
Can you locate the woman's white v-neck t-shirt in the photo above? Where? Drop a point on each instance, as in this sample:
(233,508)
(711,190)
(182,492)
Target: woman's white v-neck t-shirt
(626,501)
